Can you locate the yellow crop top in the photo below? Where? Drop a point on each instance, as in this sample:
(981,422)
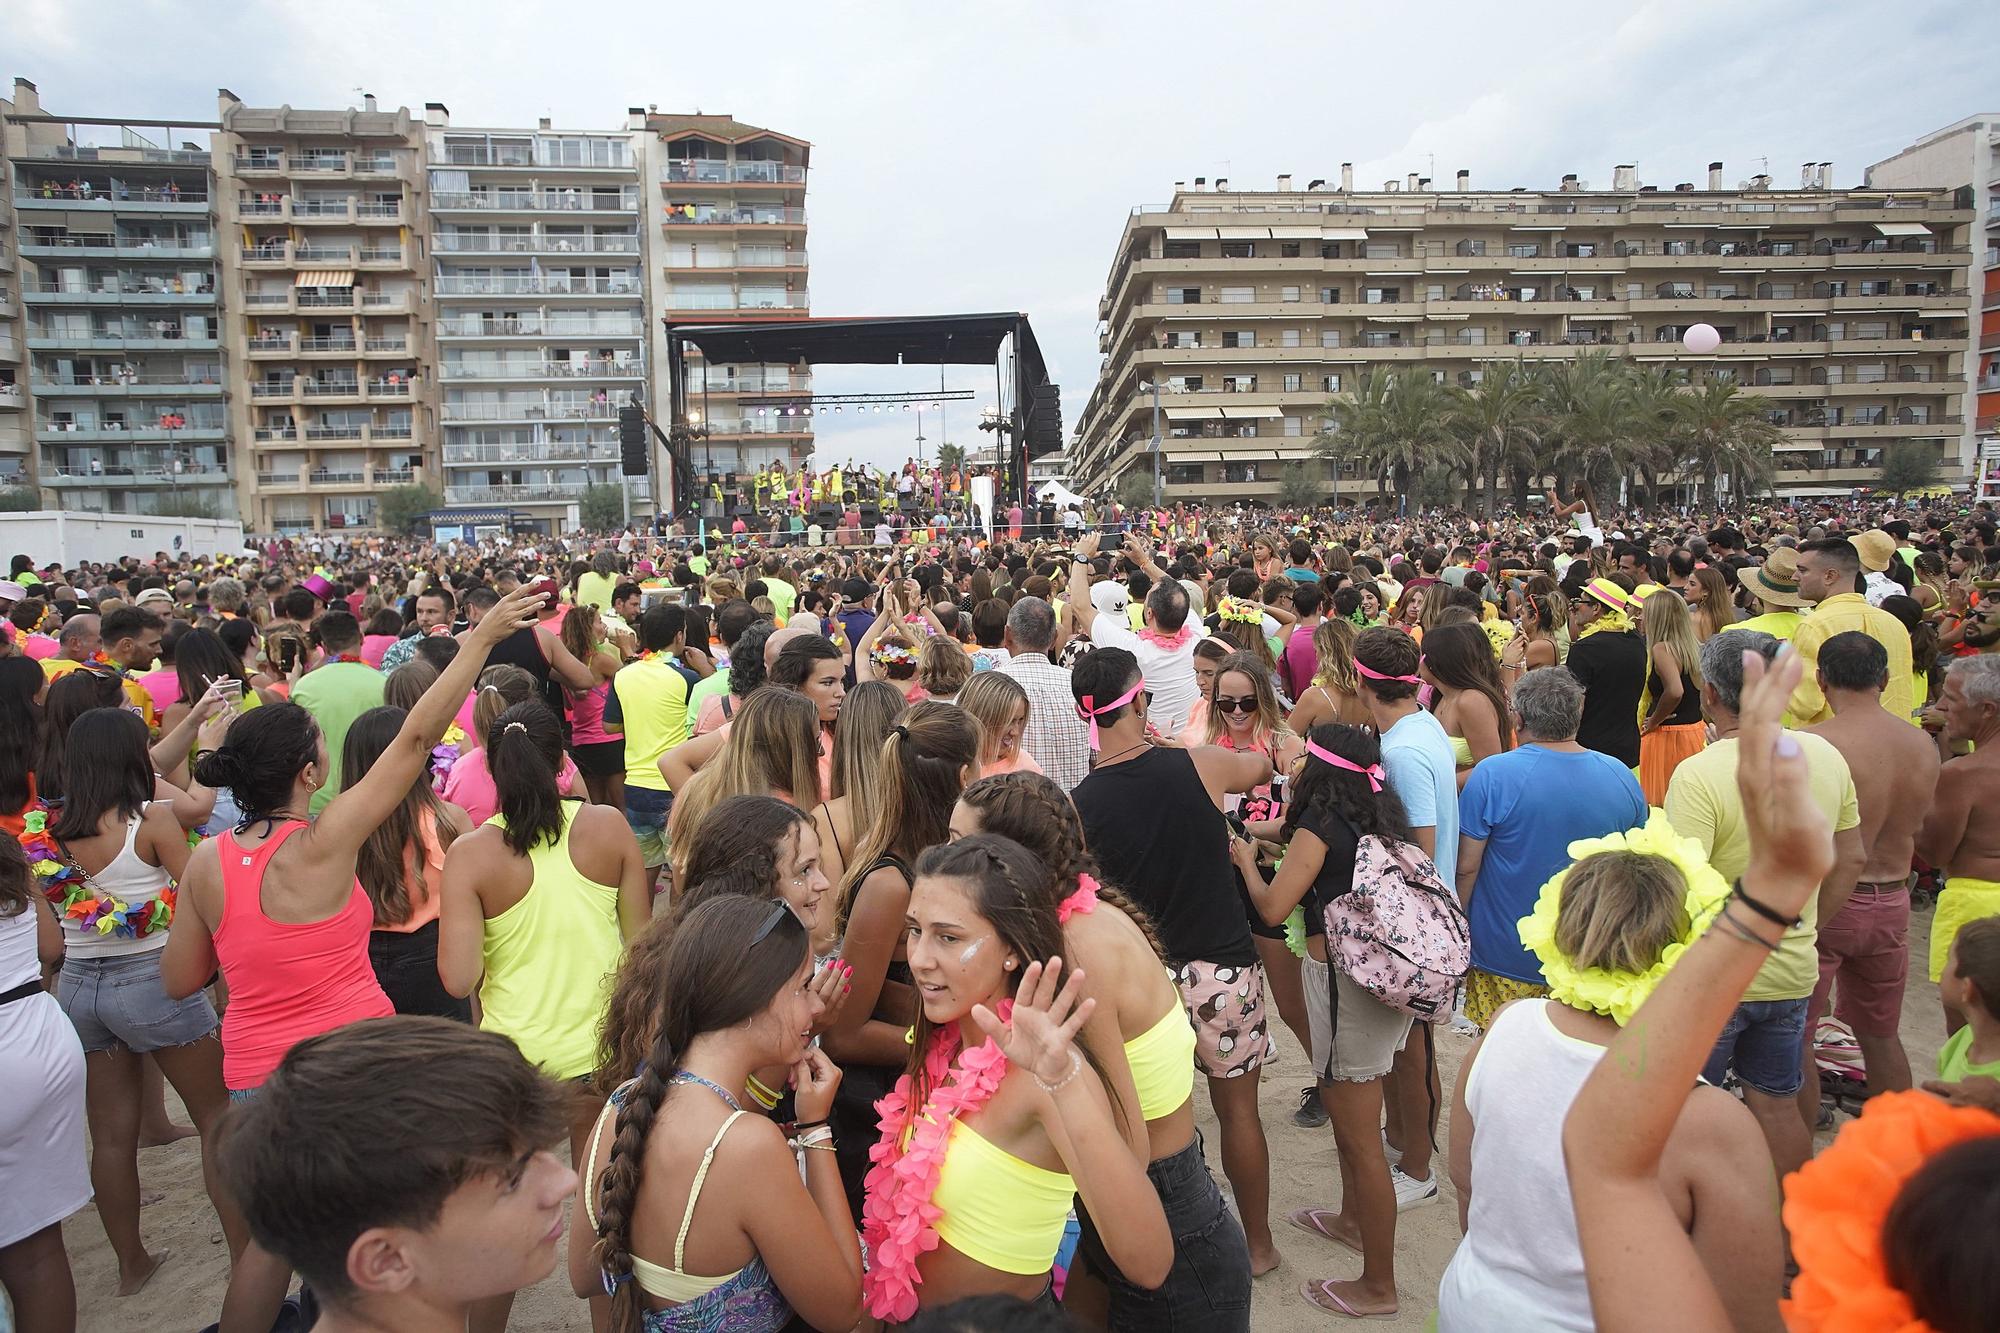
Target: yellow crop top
(1162,1061)
(997,1209)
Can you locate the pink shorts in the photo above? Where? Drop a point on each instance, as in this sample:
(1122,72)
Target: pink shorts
(1227,1003)
(1866,949)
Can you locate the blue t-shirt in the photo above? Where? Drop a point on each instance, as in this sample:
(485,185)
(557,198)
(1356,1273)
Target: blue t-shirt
(1529,805)
(1416,754)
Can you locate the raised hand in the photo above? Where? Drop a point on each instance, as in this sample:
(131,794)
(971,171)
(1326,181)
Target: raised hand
(1040,1036)
(831,985)
(814,1081)
(1791,841)
(518,610)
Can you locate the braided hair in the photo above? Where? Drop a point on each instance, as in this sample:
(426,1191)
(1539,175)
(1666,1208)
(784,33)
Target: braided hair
(1035,812)
(707,979)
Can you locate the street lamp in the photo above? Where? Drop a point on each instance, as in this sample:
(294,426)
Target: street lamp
(1157,498)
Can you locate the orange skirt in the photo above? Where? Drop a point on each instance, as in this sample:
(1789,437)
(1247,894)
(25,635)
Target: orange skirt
(1661,752)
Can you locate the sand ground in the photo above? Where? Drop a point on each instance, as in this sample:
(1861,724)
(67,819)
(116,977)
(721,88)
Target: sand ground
(186,1293)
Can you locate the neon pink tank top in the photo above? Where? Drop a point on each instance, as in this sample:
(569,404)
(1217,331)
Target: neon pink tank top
(287,981)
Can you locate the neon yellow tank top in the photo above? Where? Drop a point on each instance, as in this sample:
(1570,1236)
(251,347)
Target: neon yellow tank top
(1162,1061)
(997,1209)
(549,960)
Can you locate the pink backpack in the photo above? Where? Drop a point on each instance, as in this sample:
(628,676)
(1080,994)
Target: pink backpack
(1399,933)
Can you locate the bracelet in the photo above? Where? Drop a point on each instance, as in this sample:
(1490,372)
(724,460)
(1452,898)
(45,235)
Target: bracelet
(1743,932)
(819,1138)
(1075,1064)
(801,1126)
(1765,910)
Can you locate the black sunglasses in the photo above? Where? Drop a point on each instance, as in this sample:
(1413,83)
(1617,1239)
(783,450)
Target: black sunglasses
(779,911)
(1235,705)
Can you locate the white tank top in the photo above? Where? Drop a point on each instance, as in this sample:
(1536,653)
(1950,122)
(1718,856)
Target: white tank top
(132,881)
(1520,1264)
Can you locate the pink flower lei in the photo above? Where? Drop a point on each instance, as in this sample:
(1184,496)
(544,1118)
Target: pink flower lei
(899,1219)
(1168,642)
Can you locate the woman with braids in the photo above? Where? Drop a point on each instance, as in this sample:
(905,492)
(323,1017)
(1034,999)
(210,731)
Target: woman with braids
(924,763)
(855,793)
(537,904)
(598,754)
(1471,704)
(693,1214)
(276,904)
(401,869)
(984,1144)
(771,749)
(1147,1043)
(1334,695)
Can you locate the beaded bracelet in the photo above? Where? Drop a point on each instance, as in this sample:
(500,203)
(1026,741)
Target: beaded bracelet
(1075,1064)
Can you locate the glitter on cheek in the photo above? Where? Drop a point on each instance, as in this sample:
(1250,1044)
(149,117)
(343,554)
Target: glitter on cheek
(971,952)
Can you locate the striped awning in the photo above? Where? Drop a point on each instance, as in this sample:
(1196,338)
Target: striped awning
(324,277)
(1902,229)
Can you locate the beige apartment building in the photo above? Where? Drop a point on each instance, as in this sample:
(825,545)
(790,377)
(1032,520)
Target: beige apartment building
(322,222)
(1247,310)
(726,213)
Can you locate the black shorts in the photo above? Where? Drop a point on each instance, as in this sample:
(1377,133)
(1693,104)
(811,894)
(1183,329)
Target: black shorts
(606,759)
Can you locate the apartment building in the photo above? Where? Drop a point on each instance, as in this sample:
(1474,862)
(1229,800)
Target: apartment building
(727,224)
(540,281)
(17,442)
(329,312)
(1967,154)
(1248,309)
(124,391)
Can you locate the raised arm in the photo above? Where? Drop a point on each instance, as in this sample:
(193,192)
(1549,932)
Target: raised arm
(1080,606)
(568,669)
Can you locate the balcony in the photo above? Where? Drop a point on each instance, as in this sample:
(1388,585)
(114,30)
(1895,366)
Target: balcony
(541,452)
(388,256)
(472,244)
(535,411)
(157,292)
(166,198)
(541,370)
(104,245)
(709,215)
(344,346)
(737,301)
(702,171)
(327,477)
(322,434)
(265,344)
(308,253)
(318,164)
(327,298)
(258,164)
(548,201)
(122,474)
(11,398)
(104,340)
(538,285)
(511,494)
(391,345)
(198,432)
(534,326)
(311,388)
(381,212)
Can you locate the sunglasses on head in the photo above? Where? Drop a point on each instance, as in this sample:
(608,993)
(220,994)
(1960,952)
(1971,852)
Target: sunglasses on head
(779,911)
(1248,705)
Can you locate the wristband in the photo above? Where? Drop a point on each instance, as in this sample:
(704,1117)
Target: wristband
(801,1126)
(1743,932)
(1075,1064)
(1765,910)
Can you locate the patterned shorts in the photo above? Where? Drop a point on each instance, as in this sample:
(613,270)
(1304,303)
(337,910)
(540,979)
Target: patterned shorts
(1227,1004)
(1485,992)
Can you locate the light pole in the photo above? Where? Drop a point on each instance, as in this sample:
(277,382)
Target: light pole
(1158,501)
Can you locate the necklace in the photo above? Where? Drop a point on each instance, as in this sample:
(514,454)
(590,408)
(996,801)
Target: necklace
(685,1076)
(1115,757)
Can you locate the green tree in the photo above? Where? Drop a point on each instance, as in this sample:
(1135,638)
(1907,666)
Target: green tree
(1436,487)
(1494,422)
(1718,430)
(19,500)
(1587,422)
(1299,488)
(1135,488)
(401,509)
(951,455)
(1909,465)
(184,505)
(1394,422)
(601,508)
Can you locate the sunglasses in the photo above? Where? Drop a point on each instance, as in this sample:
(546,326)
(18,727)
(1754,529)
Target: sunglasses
(779,911)
(1235,705)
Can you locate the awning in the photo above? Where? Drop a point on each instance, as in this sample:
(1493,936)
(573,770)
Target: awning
(1342,234)
(1299,234)
(1902,229)
(1577,317)
(1451,317)
(1192,413)
(1251,413)
(1190,233)
(1198,456)
(1245,233)
(324,277)
(1392,319)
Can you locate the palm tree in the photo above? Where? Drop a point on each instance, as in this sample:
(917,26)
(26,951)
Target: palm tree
(1657,399)
(1586,421)
(1494,422)
(1394,422)
(1722,431)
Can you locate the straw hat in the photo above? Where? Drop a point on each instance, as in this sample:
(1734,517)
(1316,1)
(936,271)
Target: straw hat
(1876,548)
(1606,593)
(1776,580)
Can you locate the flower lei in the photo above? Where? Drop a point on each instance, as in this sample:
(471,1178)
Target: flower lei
(899,1219)
(1836,1204)
(1171,643)
(1236,609)
(1617,992)
(892,652)
(445,754)
(1609,621)
(69,892)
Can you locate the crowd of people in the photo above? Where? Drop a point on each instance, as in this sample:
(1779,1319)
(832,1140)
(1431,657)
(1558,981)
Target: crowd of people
(865,918)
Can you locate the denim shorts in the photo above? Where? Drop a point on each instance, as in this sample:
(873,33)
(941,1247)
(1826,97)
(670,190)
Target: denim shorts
(1208,1288)
(1764,1042)
(120,1003)
(646,811)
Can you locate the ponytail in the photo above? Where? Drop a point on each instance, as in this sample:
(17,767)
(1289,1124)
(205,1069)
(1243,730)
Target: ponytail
(500,688)
(524,755)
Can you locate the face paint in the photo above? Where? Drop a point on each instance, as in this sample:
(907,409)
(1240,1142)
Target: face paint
(972,951)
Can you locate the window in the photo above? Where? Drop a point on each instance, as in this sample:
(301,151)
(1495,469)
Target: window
(1239,295)
(1874,328)
(1524,252)
(1288,338)
(1434,292)
(1184,384)
(1876,287)
(1329,250)
(1288,249)
(1288,293)
(1381,250)
(1330,383)
(1183,296)
(1239,338)
(1237,250)
(1184,338)
(1239,384)
(1329,296)
(1329,337)
(1294,383)
(1777,291)
(1182,250)
(1722,291)
(1294,426)
(1184,474)
(1381,295)
(1635,291)
(1830,289)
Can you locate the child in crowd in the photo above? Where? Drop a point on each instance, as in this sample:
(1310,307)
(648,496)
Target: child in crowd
(1971,989)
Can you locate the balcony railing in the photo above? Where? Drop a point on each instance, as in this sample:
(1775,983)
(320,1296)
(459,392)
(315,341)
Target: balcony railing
(543,285)
(390,211)
(535,326)
(324,254)
(710,215)
(377,254)
(554,490)
(50,193)
(701,171)
(327,477)
(551,201)
(333,299)
(389,344)
(305,164)
(59,385)
(536,411)
(515,370)
(396,388)
(738,301)
(326,345)
(155,287)
(523,245)
(329,388)
(333,432)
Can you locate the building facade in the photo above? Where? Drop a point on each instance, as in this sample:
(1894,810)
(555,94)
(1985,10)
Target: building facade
(17,441)
(540,281)
(1968,154)
(726,213)
(124,390)
(1240,313)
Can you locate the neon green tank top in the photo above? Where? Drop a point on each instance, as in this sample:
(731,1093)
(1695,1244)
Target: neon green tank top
(549,961)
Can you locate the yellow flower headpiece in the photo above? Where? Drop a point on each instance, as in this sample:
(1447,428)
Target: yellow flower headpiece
(1234,608)
(1619,992)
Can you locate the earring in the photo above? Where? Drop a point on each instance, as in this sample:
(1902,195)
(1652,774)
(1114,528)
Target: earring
(1008,965)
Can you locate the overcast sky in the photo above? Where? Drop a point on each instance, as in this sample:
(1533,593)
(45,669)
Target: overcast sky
(983,158)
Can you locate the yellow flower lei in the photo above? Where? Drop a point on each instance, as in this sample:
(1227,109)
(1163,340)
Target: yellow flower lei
(1619,993)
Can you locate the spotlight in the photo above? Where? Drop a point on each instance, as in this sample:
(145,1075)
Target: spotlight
(760,411)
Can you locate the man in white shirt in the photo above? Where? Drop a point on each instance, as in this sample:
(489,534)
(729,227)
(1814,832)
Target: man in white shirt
(1165,647)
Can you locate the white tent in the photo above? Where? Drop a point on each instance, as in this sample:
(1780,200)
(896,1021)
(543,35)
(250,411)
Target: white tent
(1063,496)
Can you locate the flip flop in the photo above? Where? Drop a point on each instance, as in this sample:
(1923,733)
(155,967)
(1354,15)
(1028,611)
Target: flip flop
(1325,1288)
(1309,1220)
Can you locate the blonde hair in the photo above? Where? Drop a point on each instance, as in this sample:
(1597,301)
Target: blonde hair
(942,665)
(993,699)
(1620,910)
(772,746)
(500,688)
(1333,643)
(1668,621)
(922,768)
(1267,722)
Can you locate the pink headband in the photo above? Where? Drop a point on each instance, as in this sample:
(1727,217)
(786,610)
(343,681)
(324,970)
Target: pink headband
(1373,772)
(1376,675)
(1087,709)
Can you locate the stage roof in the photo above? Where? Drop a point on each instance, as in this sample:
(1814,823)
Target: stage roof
(959,340)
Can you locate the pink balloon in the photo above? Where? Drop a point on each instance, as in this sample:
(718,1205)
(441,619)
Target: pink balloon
(1701,338)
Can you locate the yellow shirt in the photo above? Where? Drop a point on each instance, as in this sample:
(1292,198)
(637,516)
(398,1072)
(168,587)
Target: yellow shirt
(1703,804)
(136,697)
(1777,624)
(1837,615)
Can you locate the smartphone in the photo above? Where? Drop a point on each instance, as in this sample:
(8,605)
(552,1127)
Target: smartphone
(289,652)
